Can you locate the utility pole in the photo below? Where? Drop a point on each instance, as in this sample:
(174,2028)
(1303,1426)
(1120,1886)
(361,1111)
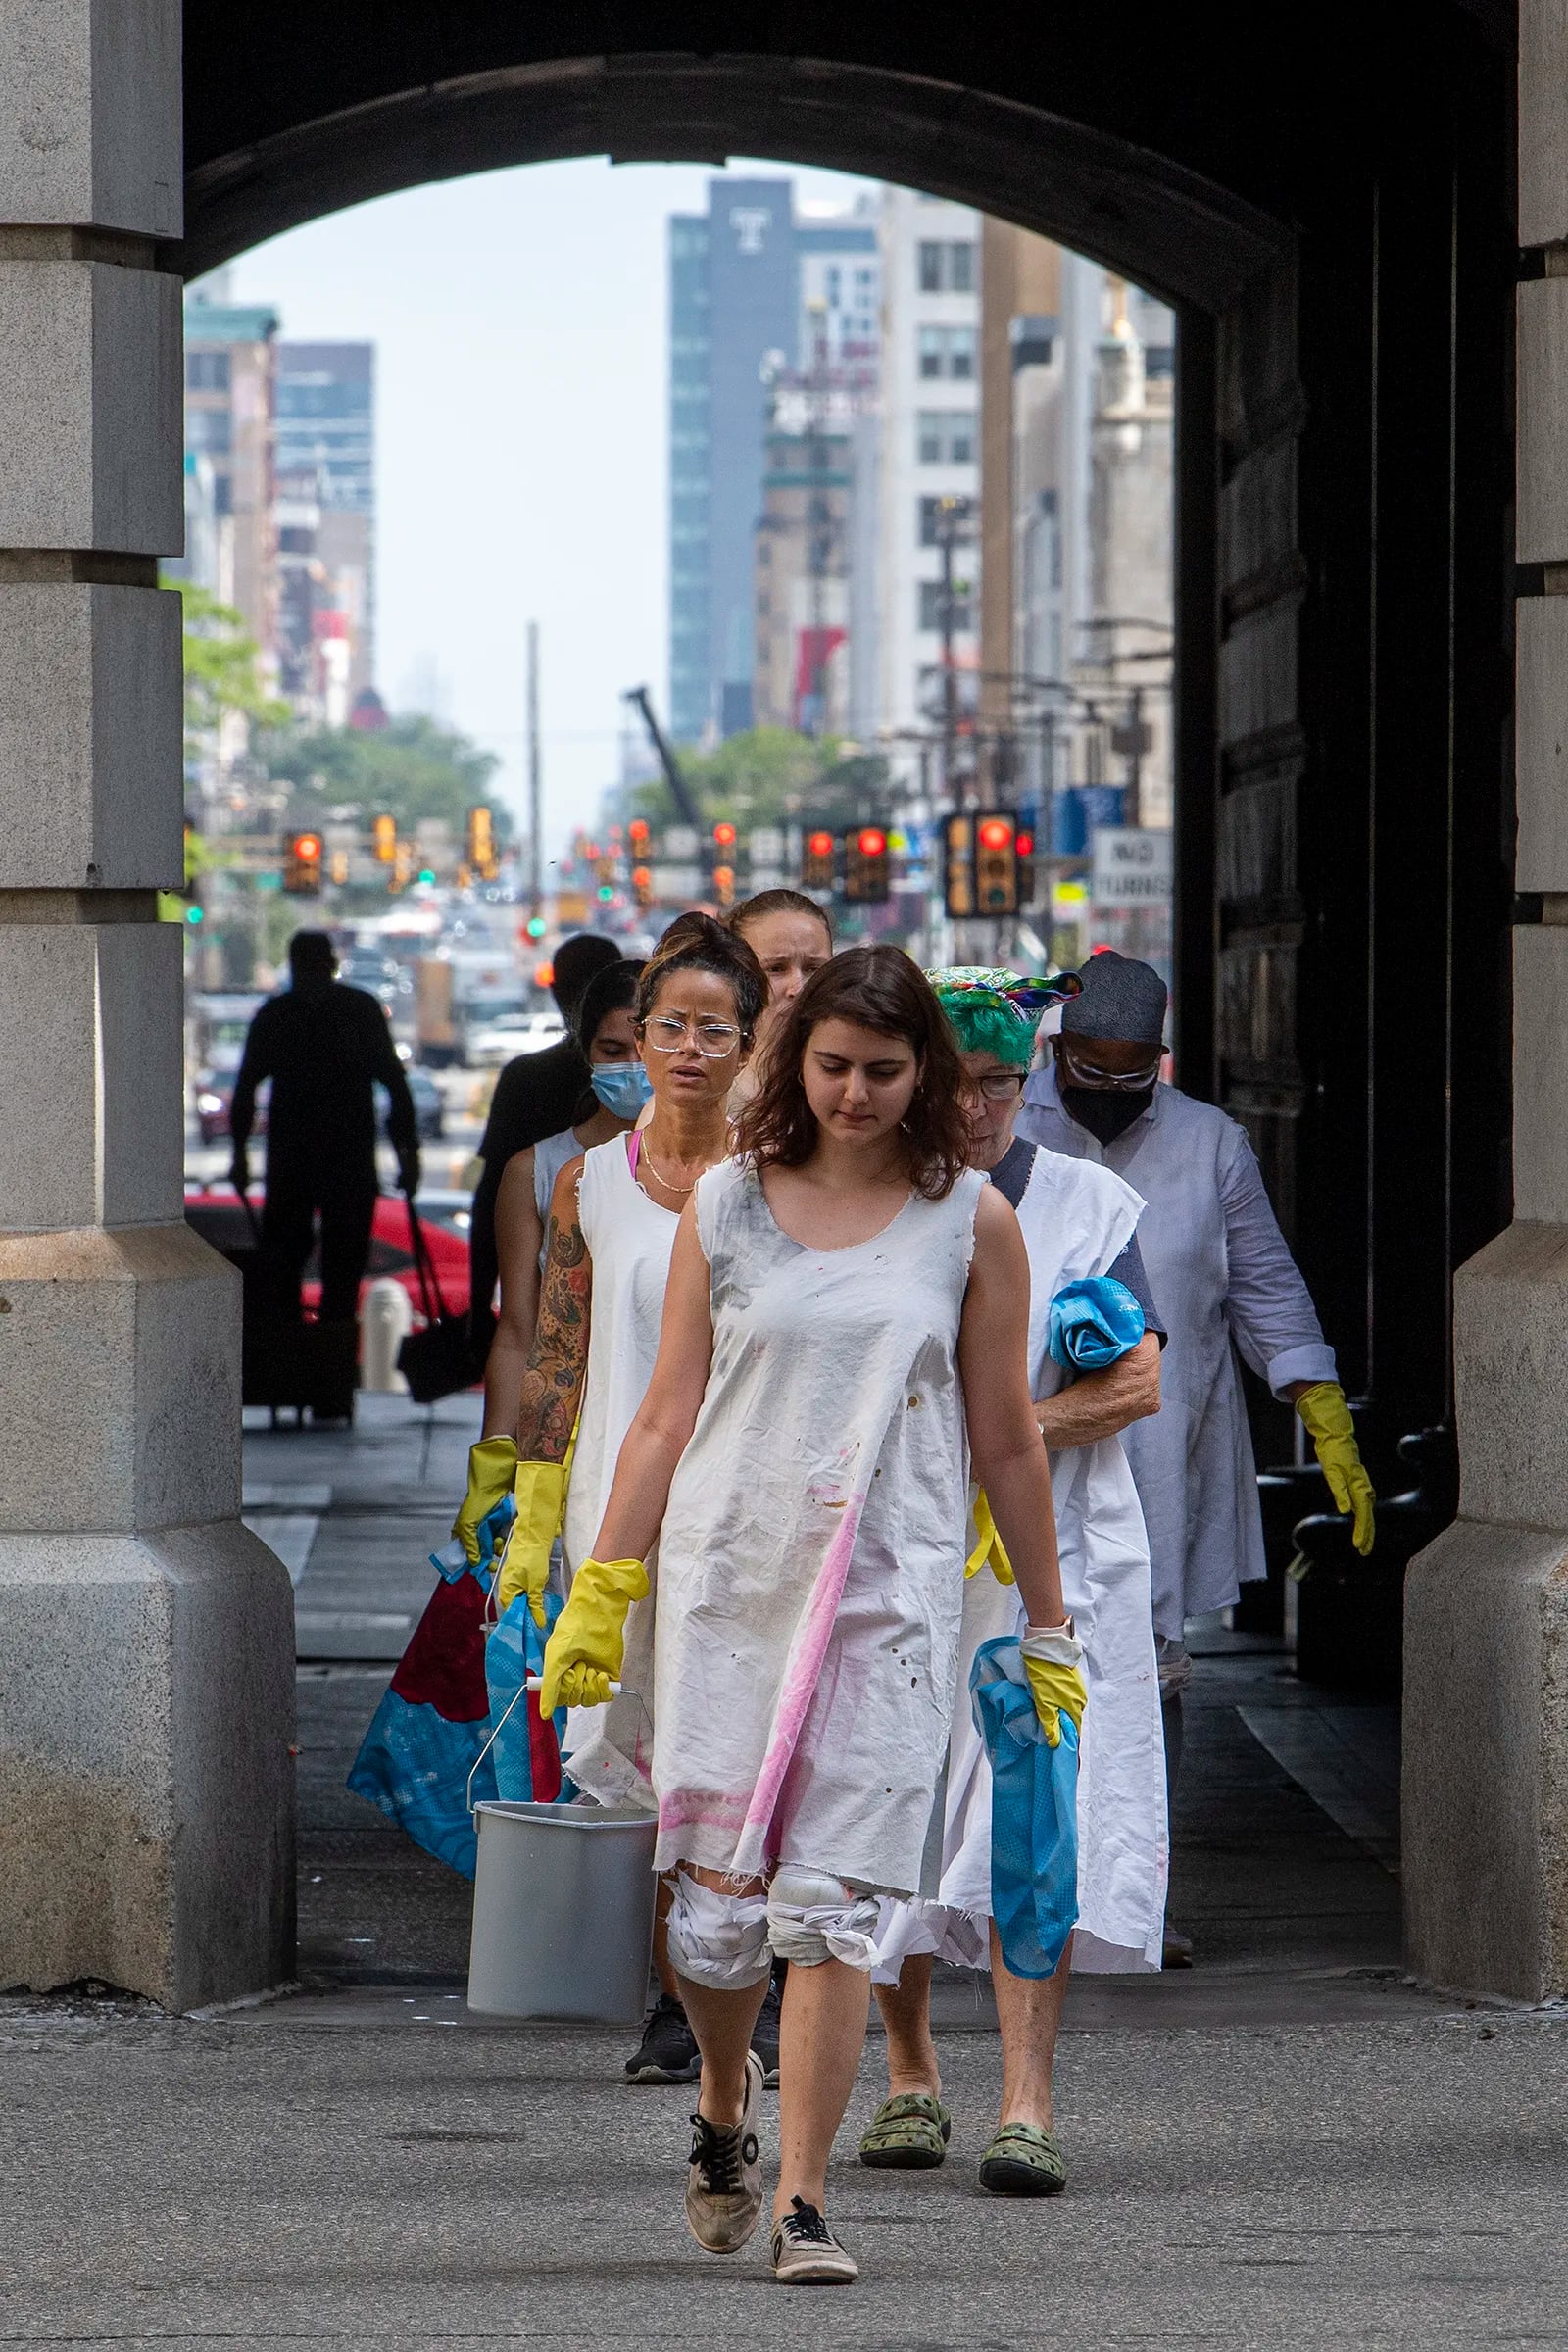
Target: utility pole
(535,795)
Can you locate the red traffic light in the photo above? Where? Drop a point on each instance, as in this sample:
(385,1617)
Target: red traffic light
(724,837)
(994,833)
(307,845)
(871,842)
(637,830)
(821,845)
(1024,844)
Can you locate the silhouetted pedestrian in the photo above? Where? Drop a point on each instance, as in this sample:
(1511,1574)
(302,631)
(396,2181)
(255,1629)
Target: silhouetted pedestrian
(325,1046)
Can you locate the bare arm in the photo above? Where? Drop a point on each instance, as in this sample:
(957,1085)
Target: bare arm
(1096,1404)
(667,1414)
(517,1239)
(551,1383)
(1009,1462)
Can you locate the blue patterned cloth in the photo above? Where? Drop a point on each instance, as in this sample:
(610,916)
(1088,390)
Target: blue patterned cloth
(1094,1323)
(1033,1813)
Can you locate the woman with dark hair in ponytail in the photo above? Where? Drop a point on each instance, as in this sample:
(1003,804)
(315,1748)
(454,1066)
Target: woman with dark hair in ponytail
(801,1461)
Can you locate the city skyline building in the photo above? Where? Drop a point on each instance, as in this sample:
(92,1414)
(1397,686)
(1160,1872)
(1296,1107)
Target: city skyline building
(325,451)
(230,383)
(801,676)
(927,461)
(751,286)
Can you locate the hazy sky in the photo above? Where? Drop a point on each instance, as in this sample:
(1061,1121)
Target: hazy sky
(520,326)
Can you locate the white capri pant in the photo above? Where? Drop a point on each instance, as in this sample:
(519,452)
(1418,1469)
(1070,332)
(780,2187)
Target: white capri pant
(730,1941)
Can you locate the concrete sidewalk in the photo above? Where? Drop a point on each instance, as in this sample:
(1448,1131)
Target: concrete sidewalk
(1287,2146)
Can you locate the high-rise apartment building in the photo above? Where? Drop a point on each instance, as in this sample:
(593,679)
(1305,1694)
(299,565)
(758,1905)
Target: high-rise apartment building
(801,668)
(928,465)
(325,464)
(753,288)
(231,355)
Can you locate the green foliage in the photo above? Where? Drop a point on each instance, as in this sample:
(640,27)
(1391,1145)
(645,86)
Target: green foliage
(771,776)
(221,674)
(410,769)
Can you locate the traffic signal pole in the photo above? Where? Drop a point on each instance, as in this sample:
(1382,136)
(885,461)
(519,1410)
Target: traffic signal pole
(536,793)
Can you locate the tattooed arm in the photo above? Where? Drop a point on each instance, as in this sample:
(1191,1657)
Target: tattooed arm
(552,1385)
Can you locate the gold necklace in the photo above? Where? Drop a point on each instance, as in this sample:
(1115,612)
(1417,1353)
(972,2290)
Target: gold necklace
(657,1172)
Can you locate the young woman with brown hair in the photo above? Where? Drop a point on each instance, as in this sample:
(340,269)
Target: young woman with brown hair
(800,1459)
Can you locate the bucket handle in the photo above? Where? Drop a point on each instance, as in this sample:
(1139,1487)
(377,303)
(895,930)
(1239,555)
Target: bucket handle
(533,1681)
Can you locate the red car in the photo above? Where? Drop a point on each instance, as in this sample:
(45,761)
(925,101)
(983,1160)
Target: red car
(220,1218)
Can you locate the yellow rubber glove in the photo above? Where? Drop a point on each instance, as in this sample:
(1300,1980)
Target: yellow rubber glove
(990,1545)
(492,1467)
(1327,1416)
(585,1649)
(540,1492)
(1053,1661)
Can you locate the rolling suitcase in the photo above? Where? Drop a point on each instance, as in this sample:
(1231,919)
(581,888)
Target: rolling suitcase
(287,1362)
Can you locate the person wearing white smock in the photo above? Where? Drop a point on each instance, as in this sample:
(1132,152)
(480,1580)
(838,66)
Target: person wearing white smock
(1078,1223)
(1226,1284)
(613,1215)
(802,1458)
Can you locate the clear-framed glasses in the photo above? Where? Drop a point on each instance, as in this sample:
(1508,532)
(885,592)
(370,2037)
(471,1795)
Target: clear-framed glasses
(1083,1073)
(666,1033)
(997,1086)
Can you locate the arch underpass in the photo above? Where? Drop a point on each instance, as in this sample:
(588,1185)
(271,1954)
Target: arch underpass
(1328,202)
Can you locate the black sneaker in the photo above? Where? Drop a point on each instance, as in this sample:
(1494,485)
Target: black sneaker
(668,2053)
(764,2035)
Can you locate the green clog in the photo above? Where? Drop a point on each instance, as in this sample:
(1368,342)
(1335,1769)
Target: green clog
(908,2134)
(1022,2161)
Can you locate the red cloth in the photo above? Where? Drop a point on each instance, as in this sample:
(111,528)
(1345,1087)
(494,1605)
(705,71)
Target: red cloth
(443,1666)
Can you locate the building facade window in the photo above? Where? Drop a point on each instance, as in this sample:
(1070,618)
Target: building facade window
(947,353)
(946,267)
(945,436)
(931,602)
(206,370)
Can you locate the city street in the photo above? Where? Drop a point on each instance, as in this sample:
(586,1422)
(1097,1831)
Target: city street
(1286,2145)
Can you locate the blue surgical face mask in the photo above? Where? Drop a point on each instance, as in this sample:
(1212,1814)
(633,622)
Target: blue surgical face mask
(622,1087)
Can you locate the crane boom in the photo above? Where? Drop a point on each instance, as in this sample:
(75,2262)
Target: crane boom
(680,792)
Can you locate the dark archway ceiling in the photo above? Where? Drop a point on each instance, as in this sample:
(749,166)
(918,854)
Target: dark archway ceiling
(1181,144)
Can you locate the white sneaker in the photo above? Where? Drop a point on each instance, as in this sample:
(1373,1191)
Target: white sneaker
(725,2182)
(806,2252)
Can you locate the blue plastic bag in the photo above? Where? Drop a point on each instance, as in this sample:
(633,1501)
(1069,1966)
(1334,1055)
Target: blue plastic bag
(1094,1323)
(1033,1813)
(514,1651)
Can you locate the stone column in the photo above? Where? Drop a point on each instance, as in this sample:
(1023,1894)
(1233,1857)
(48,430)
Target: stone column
(1486,1707)
(146,1640)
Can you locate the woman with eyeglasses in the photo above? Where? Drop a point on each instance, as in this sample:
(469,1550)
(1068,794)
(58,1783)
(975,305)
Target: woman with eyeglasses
(847,1318)
(1078,1223)
(613,1215)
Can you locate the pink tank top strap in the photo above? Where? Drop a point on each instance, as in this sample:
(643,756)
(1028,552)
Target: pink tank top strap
(634,1145)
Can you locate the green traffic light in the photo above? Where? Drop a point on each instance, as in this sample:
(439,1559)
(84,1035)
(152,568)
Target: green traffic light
(193,914)
(606,890)
(536,926)
(426,875)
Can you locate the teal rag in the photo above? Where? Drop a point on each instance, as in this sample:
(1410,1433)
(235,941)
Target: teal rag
(1033,1813)
(1094,1323)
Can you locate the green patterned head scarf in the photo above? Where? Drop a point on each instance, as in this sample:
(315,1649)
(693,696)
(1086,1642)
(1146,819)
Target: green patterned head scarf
(995,1011)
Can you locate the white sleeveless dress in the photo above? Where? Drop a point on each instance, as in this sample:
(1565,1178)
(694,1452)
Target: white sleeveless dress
(811,1581)
(608,1750)
(1076,1219)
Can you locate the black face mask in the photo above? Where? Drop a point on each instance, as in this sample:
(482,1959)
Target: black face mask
(1105,1112)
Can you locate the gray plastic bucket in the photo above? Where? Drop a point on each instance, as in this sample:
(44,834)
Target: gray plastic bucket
(562,1912)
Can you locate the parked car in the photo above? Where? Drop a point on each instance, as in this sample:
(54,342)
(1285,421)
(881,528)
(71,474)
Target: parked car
(220,1218)
(490,1043)
(429,1103)
(214,1094)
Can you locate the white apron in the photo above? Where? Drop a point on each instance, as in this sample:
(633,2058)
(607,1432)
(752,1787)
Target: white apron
(1223,1280)
(608,1750)
(811,1577)
(1076,1220)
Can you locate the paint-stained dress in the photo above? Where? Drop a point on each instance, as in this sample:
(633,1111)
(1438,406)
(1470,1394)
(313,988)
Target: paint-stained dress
(811,1553)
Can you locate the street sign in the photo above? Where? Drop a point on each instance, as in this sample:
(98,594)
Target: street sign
(1131,866)
(680,843)
(766,847)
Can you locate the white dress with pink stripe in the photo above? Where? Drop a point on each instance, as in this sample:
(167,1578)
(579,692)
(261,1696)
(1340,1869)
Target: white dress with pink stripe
(810,1582)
